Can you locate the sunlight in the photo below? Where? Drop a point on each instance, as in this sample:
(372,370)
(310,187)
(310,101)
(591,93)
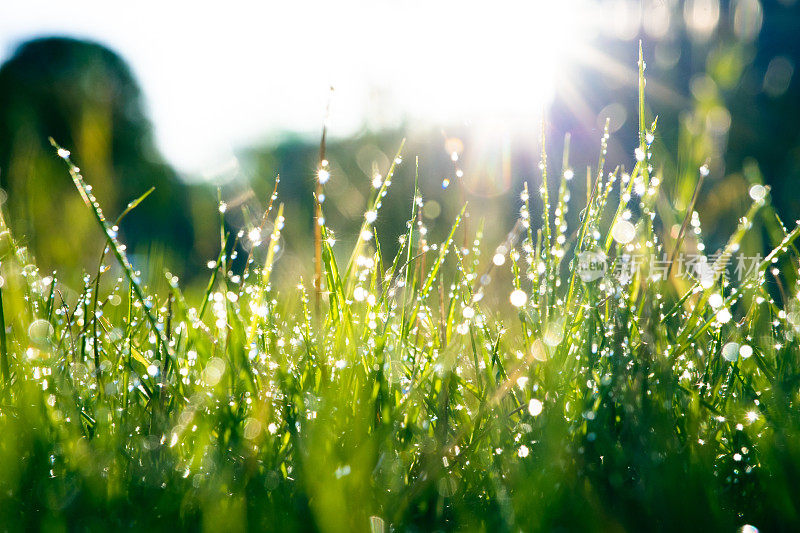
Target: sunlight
(426,63)
(464,61)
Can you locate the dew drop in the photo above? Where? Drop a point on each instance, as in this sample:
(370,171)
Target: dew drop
(254,235)
(518,298)
(730,351)
(723,317)
(623,231)
(758,192)
(535,407)
(359,294)
(715,300)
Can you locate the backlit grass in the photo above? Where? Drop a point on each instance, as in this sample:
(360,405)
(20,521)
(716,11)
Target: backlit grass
(405,394)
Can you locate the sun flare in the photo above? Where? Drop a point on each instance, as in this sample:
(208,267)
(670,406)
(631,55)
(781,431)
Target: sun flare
(468,62)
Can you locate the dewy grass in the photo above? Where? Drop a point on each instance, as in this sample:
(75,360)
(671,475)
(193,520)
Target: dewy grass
(407,400)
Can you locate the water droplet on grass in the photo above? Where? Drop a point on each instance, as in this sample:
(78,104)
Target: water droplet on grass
(723,317)
(758,192)
(518,298)
(731,351)
(535,407)
(623,231)
(715,301)
(359,294)
(254,235)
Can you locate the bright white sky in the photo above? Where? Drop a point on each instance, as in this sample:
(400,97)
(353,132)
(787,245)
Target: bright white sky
(218,75)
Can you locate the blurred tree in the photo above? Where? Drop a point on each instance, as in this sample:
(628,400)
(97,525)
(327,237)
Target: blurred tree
(84,96)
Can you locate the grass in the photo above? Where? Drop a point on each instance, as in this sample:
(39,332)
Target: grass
(411,397)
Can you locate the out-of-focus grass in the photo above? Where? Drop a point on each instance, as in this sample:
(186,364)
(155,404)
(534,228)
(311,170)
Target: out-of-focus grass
(403,396)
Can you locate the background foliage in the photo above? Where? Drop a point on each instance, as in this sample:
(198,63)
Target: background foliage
(454,371)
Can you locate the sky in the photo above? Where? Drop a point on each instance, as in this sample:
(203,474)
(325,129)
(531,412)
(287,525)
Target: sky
(221,75)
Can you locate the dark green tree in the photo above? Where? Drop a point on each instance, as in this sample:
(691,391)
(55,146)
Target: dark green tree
(84,96)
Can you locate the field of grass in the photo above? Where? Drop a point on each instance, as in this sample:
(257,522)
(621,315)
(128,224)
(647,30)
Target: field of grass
(414,392)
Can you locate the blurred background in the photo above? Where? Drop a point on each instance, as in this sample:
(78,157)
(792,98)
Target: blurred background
(194,99)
